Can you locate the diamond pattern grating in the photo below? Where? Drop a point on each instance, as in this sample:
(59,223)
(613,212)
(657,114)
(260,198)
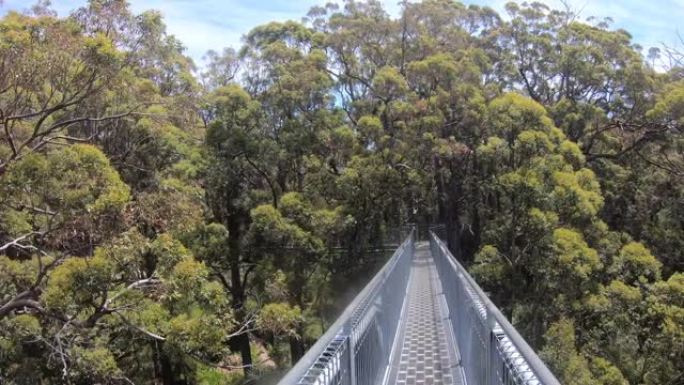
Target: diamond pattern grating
(426,355)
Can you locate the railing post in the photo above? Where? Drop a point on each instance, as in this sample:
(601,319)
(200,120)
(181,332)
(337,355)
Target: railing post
(461,306)
(491,340)
(352,356)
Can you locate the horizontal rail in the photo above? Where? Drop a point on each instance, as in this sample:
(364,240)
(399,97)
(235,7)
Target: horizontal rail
(492,350)
(355,350)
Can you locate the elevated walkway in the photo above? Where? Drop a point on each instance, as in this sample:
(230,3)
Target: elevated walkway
(422,319)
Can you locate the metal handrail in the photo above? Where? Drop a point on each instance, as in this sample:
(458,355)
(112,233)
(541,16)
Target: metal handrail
(356,349)
(492,350)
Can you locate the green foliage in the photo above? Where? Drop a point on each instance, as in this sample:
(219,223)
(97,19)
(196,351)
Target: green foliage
(490,267)
(605,373)
(669,105)
(279,319)
(95,287)
(98,364)
(389,84)
(560,353)
(197,334)
(574,256)
(168,253)
(147,215)
(66,191)
(78,283)
(513,112)
(635,263)
(579,190)
(212,376)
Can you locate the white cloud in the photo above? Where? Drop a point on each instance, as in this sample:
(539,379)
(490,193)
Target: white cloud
(213,24)
(651,23)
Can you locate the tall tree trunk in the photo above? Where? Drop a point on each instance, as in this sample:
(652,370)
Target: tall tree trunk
(449,209)
(164,367)
(166,370)
(241,341)
(297,342)
(296,349)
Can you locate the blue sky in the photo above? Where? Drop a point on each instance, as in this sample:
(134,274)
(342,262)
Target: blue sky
(213,24)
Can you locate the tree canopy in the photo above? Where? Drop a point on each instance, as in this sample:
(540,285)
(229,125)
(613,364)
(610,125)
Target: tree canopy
(163,222)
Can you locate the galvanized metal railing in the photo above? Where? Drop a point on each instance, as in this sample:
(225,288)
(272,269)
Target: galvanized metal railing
(492,351)
(356,349)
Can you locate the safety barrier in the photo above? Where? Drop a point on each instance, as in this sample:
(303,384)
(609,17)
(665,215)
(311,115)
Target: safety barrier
(492,351)
(356,349)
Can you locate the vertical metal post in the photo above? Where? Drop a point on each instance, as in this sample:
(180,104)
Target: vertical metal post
(352,358)
(491,323)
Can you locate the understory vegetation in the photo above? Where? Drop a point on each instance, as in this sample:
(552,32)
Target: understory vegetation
(168,223)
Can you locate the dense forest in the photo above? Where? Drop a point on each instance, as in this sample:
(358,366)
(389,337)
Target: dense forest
(170,222)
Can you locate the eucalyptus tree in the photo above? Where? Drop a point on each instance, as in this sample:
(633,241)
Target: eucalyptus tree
(95,284)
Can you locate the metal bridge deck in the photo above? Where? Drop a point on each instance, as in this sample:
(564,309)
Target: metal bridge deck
(406,327)
(425,352)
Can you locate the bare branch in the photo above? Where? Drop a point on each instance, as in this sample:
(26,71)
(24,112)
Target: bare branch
(138,328)
(134,285)
(15,304)
(16,241)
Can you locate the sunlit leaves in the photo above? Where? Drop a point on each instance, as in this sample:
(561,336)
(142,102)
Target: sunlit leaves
(95,363)
(635,263)
(560,353)
(197,333)
(512,113)
(389,84)
(279,319)
(574,255)
(71,189)
(577,193)
(78,283)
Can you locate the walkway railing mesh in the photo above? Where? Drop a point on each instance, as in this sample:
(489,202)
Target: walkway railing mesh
(356,349)
(492,351)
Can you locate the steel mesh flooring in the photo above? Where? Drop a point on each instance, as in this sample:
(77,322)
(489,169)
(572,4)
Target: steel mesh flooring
(426,355)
